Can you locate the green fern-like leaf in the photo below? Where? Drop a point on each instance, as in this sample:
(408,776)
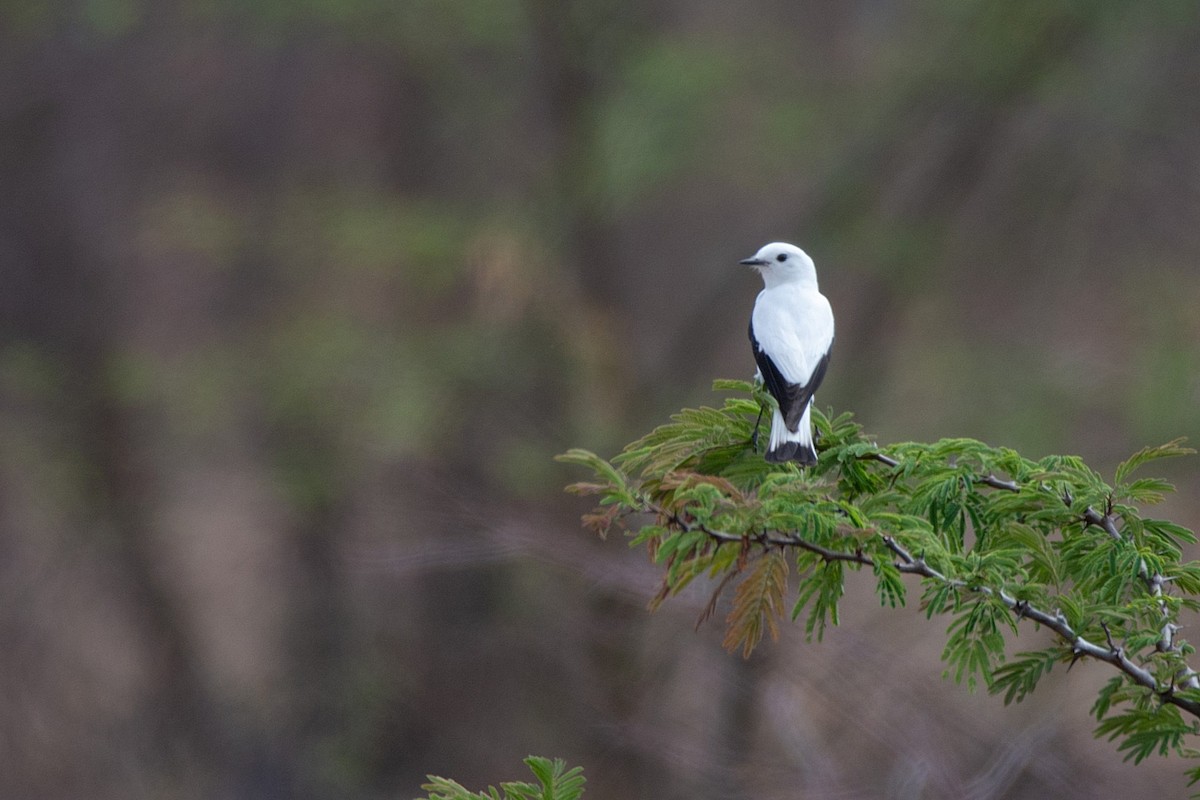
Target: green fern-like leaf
(1142,731)
(1018,677)
(445,789)
(555,782)
(1172,449)
(820,592)
(558,782)
(889,583)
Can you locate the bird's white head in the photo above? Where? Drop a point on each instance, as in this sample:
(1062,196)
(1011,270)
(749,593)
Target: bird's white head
(780,263)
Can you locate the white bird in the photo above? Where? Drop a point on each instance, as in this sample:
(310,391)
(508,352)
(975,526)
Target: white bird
(791,331)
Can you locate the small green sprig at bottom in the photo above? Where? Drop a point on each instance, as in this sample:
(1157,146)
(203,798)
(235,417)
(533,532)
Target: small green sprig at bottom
(995,541)
(555,782)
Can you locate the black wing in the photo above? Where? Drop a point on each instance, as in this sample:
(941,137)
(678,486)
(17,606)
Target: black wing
(792,398)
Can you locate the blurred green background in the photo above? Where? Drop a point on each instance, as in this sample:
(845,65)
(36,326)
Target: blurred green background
(298,299)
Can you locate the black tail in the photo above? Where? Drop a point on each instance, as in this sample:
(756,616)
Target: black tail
(805,456)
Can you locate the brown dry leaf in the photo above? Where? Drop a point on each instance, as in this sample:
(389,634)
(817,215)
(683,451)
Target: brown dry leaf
(757,604)
(601,520)
(682,480)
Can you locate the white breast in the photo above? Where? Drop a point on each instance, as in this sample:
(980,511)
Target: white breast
(794,326)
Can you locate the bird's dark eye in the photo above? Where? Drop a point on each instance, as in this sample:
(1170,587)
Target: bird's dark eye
(781,257)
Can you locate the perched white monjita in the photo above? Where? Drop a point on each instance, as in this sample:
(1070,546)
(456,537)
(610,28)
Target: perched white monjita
(791,331)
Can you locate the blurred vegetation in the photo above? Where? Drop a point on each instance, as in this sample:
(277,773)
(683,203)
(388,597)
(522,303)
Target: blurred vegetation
(297,300)
(555,782)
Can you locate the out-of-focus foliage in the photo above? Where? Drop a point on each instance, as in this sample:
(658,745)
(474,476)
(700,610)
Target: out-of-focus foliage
(555,782)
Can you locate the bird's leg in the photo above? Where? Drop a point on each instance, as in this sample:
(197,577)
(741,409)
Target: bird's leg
(754,434)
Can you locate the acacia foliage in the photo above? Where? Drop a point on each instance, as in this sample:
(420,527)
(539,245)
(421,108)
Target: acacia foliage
(554,782)
(993,541)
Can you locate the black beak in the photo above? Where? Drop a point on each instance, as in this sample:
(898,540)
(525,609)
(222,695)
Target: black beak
(754,262)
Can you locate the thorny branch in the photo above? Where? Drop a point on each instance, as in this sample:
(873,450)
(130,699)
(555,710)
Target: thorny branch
(1189,678)
(906,562)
